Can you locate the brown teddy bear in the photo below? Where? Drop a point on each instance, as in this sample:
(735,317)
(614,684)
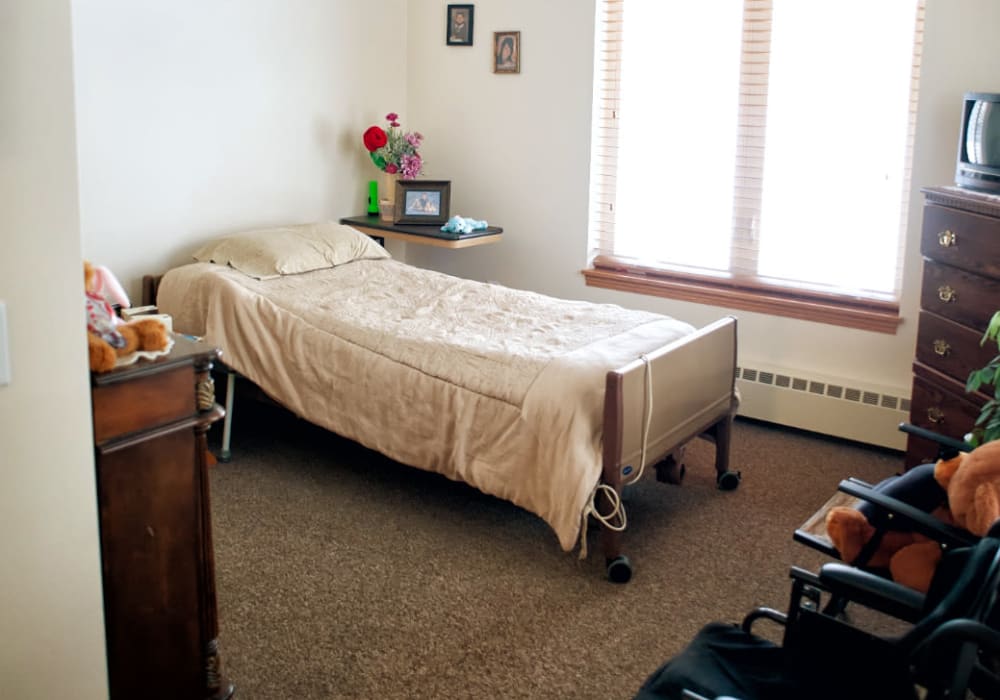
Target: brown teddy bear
(967,491)
(108,337)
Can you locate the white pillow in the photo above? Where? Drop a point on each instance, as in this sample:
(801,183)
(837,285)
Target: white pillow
(290,250)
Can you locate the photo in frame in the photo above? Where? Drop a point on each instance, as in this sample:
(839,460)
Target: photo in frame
(506,52)
(422,201)
(459,29)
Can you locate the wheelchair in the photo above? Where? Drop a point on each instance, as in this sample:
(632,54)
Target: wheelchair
(886,512)
(949,645)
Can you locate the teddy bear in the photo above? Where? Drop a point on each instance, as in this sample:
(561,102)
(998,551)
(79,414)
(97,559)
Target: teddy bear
(108,337)
(963,491)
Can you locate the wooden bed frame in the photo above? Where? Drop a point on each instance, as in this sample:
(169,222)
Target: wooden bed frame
(698,374)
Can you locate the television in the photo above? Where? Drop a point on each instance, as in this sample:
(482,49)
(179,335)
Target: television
(978,166)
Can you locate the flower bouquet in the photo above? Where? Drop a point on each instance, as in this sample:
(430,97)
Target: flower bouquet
(394,151)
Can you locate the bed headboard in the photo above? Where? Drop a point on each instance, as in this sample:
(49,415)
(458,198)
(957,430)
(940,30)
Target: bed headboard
(150,284)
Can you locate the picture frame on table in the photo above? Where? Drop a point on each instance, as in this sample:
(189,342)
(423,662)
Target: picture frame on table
(422,202)
(506,52)
(459,29)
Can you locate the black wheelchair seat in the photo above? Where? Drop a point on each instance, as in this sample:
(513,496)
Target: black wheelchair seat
(949,647)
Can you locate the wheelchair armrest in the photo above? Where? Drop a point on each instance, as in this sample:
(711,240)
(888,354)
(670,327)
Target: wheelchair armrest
(962,630)
(942,653)
(871,590)
(910,518)
(948,446)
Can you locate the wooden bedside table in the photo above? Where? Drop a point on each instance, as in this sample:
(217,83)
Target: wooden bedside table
(431,235)
(160,619)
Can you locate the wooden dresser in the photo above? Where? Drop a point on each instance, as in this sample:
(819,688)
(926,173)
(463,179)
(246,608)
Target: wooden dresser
(960,243)
(150,420)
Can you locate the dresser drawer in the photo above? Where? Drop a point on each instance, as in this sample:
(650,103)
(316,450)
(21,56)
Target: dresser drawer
(951,348)
(961,239)
(941,404)
(147,402)
(959,295)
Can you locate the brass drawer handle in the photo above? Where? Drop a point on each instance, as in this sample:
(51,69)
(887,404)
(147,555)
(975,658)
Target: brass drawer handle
(947,239)
(941,347)
(947,294)
(935,415)
(205,393)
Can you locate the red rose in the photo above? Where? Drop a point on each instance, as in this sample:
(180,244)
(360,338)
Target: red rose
(375,138)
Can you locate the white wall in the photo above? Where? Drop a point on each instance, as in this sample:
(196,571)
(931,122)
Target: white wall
(515,148)
(200,118)
(51,624)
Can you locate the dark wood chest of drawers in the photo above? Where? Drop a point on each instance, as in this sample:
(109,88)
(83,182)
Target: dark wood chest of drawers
(150,420)
(960,243)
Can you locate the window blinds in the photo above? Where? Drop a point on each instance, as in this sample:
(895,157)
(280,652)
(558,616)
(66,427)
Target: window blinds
(604,144)
(751,126)
(751,129)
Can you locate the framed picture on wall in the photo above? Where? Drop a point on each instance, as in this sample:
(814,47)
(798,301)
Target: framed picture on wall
(422,201)
(506,52)
(459,30)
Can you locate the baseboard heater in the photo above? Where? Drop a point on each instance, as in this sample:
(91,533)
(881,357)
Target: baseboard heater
(832,406)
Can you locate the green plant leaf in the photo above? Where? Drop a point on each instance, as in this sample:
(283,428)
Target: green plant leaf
(978,377)
(992,329)
(987,426)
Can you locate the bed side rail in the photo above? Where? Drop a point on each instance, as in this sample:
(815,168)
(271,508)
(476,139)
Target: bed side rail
(693,387)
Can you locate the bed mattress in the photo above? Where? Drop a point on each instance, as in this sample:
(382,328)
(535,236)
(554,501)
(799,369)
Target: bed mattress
(499,388)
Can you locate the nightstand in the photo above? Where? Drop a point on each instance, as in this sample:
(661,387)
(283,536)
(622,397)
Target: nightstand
(161,625)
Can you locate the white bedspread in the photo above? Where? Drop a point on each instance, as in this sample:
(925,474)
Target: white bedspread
(499,388)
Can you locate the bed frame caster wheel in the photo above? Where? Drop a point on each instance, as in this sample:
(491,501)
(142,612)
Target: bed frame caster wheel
(671,468)
(727,480)
(619,569)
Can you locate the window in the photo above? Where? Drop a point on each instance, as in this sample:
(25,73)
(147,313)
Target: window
(755,153)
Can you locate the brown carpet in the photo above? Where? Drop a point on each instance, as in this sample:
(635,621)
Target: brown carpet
(342,574)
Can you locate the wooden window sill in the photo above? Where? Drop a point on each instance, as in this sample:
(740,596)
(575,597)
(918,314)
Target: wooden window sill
(868,313)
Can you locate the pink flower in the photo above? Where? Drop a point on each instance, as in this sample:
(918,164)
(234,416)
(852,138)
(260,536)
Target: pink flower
(414,139)
(391,117)
(391,168)
(411,166)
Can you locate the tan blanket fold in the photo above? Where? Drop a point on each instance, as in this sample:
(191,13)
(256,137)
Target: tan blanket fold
(499,388)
